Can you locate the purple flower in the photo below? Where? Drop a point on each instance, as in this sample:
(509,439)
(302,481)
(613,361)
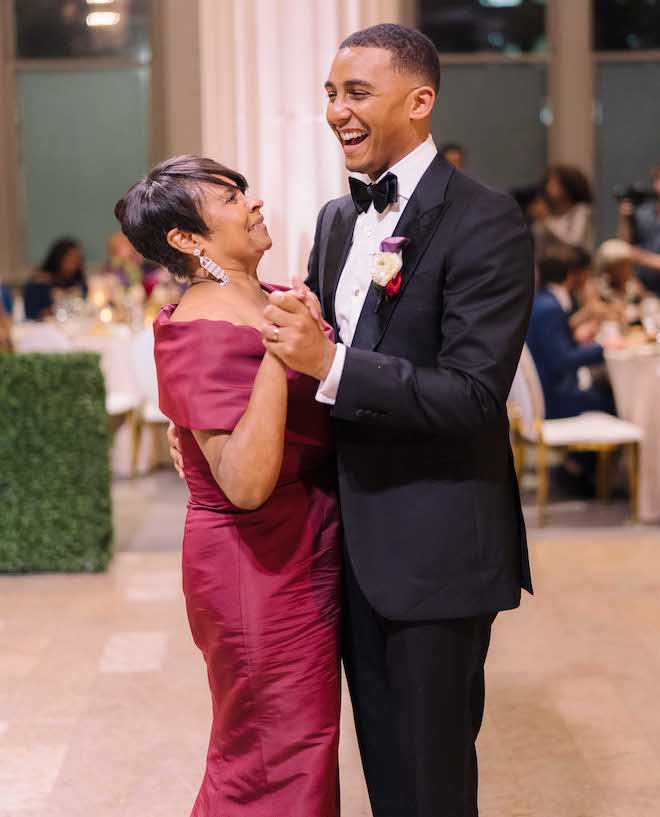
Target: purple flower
(394,244)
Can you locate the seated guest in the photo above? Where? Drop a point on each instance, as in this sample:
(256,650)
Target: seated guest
(556,353)
(588,309)
(5,299)
(569,197)
(5,330)
(648,269)
(619,286)
(639,224)
(62,272)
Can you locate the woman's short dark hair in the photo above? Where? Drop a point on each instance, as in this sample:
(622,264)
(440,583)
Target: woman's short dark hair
(58,249)
(170,197)
(559,260)
(412,52)
(574,182)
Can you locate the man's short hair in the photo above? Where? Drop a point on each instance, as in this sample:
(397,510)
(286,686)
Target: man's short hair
(412,52)
(559,260)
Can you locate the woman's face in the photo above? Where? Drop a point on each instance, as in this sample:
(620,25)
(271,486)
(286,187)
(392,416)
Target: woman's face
(238,234)
(621,273)
(554,190)
(71,262)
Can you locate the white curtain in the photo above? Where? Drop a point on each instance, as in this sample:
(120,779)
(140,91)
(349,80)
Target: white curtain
(263,64)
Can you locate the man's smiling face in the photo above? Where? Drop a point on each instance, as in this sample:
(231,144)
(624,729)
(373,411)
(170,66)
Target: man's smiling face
(369,106)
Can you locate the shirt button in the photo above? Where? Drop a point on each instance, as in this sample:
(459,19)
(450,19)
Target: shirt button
(356,292)
(369,233)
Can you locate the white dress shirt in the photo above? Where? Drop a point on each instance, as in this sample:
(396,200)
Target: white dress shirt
(562,295)
(370,229)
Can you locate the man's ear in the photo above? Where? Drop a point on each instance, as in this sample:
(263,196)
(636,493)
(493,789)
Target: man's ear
(183,242)
(422,101)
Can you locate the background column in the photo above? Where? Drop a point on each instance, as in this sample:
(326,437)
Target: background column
(262,68)
(571,83)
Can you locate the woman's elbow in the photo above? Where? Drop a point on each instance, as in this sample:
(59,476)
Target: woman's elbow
(249,503)
(247,497)
(246,487)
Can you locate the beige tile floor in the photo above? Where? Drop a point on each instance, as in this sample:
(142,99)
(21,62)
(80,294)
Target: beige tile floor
(104,709)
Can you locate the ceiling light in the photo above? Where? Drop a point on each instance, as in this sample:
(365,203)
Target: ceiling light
(500,4)
(99,2)
(103,18)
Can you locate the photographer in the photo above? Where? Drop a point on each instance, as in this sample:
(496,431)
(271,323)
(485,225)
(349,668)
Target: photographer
(639,224)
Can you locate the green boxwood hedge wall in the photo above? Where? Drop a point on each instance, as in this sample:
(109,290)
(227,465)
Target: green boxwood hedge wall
(55,505)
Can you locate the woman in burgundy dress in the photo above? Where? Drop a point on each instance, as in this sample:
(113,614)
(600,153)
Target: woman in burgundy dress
(262,536)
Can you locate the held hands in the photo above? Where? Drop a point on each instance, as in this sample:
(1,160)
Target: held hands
(293,331)
(301,344)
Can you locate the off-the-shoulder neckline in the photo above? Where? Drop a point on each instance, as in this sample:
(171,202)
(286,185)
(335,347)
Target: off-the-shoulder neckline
(168,310)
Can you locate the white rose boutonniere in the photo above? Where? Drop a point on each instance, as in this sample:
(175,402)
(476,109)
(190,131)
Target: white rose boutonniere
(386,268)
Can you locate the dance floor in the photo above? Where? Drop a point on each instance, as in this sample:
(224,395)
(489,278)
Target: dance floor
(104,709)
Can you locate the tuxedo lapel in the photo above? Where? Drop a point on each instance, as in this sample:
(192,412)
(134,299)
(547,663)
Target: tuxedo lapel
(340,239)
(419,222)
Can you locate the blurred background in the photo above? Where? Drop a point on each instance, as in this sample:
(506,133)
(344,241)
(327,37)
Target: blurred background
(103,705)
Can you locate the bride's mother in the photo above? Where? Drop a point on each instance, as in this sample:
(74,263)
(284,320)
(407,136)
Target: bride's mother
(261,542)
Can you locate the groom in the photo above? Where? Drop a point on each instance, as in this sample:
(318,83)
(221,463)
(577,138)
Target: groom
(418,382)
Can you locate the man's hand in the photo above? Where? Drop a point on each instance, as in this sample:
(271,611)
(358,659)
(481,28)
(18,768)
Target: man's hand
(175,449)
(305,295)
(300,343)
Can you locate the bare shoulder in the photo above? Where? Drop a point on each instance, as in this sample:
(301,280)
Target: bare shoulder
(192,307)
(214,304)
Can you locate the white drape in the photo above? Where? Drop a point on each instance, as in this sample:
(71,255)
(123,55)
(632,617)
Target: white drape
(263,65)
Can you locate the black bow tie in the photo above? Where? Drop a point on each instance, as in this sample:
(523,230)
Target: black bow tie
(380,193)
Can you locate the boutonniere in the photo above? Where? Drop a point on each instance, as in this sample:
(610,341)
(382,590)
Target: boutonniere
(386,268)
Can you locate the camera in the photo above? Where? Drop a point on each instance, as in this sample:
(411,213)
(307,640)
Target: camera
(637,193)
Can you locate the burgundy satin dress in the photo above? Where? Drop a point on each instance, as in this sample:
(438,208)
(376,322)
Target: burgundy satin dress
(261,587)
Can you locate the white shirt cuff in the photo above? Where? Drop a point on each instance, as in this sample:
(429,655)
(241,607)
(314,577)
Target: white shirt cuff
(328,388)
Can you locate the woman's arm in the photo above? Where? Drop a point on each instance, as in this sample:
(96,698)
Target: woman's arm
(578,228)
(246,462)
(594,308)
(646,258)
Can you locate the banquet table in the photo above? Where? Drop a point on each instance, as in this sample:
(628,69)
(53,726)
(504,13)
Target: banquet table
(635,377)
(114,342)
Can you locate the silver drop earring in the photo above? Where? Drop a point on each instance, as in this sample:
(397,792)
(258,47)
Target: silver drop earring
(210,266)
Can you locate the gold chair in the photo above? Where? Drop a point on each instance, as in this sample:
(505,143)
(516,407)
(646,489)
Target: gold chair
(592,431)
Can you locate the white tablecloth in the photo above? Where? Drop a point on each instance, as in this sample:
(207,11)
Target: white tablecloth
(635,378)
(115,344)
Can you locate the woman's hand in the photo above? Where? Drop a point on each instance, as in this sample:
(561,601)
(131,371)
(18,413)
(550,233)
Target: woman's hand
(305,295)
(291,332)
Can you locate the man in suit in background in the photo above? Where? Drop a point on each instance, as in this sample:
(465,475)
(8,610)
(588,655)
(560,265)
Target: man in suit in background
(418,382)
(556,353)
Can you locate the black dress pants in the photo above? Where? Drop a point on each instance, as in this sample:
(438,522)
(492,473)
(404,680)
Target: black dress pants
(418,696)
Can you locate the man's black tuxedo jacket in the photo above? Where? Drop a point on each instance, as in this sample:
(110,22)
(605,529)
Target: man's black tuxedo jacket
(428,493)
